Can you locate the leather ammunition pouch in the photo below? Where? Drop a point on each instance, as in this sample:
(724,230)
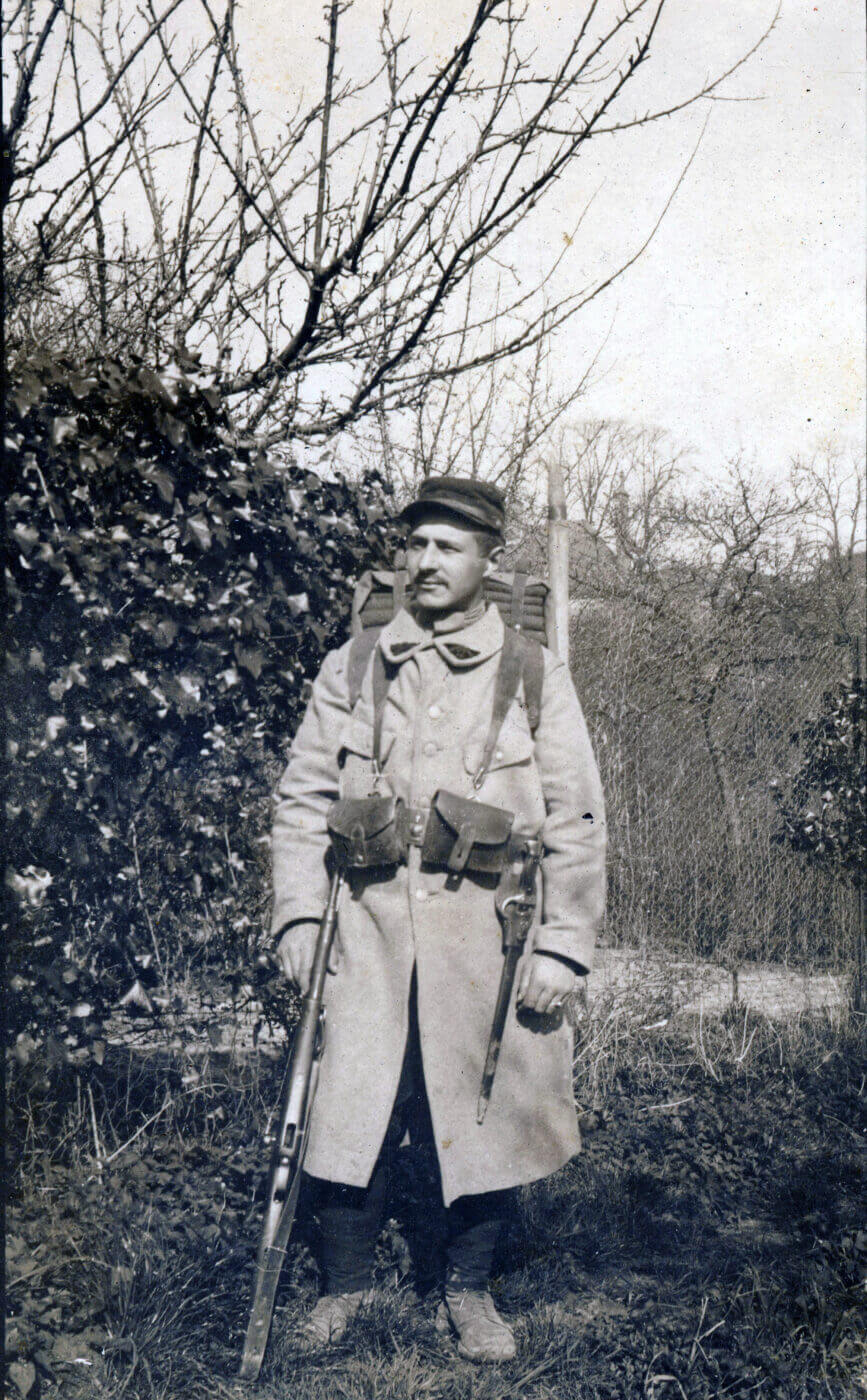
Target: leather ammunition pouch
(454,834)
(367,832)
(464,835)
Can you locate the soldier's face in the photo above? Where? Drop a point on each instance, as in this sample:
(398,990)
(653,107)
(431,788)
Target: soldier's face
(446,564)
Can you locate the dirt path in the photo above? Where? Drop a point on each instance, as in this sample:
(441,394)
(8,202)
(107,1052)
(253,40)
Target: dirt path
(695,987)
(657,986)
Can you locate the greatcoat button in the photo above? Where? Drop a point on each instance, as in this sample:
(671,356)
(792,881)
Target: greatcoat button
(434,711)
(421,895)
(430,748)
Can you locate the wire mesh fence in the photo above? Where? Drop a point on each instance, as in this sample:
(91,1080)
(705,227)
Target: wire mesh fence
(689,740)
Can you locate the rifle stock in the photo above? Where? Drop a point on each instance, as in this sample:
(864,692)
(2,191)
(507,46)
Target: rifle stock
(290,1142)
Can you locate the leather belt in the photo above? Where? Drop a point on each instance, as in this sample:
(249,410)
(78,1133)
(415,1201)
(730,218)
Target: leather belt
(414,822)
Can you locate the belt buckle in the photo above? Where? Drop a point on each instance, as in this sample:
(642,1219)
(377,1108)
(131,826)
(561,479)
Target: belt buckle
(417,822)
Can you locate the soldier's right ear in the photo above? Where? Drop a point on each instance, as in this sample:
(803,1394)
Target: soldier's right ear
(495,555)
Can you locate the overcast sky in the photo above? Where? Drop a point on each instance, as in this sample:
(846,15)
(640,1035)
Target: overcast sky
(742,326)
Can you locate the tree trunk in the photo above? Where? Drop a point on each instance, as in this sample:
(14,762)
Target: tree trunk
(557,609)
(726,789)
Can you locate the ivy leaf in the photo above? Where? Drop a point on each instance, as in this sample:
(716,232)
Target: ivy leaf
(22,1374)
(251,658)
(81,385)
(26,393)
(167,770)
(163,483)
(174,429)
(61,429)
(197,527)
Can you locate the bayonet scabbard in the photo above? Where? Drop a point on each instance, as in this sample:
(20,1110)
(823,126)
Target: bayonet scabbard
(516,905)
(498,1025)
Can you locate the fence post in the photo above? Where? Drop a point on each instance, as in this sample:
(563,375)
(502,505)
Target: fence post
(857,644)
(558,564)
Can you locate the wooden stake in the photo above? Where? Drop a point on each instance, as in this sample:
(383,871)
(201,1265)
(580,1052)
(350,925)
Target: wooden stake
(558,564)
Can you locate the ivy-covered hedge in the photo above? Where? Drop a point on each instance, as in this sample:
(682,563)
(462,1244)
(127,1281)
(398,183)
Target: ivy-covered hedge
(823,803)
(169,593)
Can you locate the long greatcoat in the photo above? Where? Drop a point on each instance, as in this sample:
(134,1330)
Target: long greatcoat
(435,724)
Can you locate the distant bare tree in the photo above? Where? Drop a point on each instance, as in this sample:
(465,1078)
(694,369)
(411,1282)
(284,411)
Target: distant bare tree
(616,476)
(493,423)
(149,209)
(830,483)
(705,574)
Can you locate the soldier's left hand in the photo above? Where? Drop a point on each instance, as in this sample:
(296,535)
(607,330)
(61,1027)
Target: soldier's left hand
(545,983)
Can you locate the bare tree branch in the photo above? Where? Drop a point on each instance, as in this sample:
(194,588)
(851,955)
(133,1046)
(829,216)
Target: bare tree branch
(349,264)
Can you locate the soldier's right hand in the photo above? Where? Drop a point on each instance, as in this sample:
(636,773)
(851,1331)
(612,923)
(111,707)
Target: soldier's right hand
(296,950)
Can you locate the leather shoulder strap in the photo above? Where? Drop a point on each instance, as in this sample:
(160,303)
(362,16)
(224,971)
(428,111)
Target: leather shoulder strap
(381,681)
(398,590)
(361,648)
(534,679)
(519,590)
(521,659)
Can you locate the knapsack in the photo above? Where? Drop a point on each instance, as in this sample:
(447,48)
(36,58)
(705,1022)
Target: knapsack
(520,598)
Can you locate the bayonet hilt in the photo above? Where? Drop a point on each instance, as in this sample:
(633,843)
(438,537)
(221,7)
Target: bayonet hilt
(516,905)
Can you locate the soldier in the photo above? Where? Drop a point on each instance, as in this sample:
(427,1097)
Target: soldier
(418,959)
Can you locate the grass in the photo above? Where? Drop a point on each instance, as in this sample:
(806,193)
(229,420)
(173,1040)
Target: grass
(709,1243)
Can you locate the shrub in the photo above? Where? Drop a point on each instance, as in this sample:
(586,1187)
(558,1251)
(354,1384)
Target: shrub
(822,804)
(170,591)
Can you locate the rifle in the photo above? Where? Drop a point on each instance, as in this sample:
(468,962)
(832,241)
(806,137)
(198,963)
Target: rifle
(290,1142)
(516,904)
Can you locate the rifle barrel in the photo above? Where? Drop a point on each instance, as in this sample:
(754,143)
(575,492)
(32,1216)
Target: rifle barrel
(287,1158)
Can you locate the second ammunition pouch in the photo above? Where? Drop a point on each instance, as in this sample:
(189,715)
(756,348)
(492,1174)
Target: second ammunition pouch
(465,835)
(367,832)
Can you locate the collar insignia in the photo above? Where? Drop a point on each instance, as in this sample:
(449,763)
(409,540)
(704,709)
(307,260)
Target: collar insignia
(459,652)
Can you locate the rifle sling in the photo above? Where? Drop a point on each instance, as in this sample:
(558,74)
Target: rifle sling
(509,675)
(381,680)
(519,593)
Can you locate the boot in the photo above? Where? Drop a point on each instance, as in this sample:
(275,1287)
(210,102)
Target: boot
(482,1334)
(330,1318)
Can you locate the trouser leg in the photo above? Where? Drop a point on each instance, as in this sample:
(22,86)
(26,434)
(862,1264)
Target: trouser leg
(350,1219)
(474,1225)
(467,1307)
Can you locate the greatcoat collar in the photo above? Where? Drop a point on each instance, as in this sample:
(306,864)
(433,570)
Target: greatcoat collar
(463,648)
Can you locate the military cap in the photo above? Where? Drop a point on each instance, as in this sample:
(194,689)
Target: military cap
(476,503)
